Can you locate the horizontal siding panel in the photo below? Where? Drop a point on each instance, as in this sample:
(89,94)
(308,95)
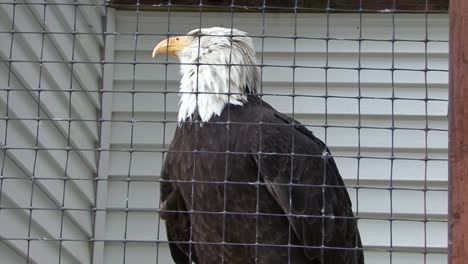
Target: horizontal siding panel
(377,61)
(268,44)
(149,72)
(434,235)
(379,135)
(143,163)
(404,258)
(345,72)
(374,26)
(368,200)
(153,120)
(396,183)
(141,194)
(147,253)
(409,202)
(144,226)
(436,91)
(375,163)
(140,226)
(383,170)
(123,102)
(137,253)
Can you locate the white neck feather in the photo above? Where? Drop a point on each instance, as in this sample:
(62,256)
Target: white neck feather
(210,95)
(205,87)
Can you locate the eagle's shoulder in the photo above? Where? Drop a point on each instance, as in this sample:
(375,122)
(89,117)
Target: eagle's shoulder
(279,126)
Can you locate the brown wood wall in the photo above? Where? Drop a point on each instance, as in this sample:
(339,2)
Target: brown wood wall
(271,5)
(458,133)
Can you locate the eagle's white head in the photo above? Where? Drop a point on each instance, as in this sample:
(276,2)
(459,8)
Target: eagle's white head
(218,67)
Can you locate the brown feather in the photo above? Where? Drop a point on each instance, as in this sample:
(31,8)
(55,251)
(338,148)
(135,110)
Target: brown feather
(231,183)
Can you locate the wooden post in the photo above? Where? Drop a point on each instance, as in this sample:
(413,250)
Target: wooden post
(458,133)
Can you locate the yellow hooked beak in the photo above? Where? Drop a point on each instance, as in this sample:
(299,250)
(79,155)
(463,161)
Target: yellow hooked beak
(171,45)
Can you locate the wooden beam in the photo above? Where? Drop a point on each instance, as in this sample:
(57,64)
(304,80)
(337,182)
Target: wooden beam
(284,6)
(458,133)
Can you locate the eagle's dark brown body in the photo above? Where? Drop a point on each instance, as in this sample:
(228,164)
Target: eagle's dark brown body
(256,185)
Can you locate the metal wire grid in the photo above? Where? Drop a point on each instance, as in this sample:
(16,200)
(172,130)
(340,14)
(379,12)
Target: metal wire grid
(100,121)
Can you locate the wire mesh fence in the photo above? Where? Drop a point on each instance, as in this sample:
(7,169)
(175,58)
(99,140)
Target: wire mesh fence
(87,118)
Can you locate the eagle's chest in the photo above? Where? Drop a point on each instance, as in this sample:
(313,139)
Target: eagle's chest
(210,163)
(211,152)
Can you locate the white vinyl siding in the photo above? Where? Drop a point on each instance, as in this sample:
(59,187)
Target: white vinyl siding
(35,178)
(342,107)
(143,119)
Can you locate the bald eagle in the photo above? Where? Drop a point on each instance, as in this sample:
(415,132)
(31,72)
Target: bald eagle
(241,182)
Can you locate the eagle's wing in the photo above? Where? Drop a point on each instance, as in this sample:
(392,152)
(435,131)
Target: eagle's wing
(309,187)
(174,212)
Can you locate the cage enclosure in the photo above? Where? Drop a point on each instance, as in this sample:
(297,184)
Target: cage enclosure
(87,117)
